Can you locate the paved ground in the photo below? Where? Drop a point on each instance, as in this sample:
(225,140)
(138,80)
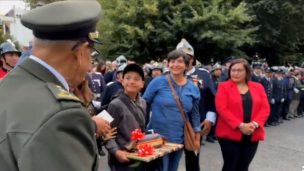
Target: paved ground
(283,150)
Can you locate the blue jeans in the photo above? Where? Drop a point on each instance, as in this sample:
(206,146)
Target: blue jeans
(171,161)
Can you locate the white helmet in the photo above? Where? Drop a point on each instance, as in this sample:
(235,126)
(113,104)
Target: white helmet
(185,46)
(121,60)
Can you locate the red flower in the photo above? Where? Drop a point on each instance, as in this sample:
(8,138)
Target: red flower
(137,134)
(145,150)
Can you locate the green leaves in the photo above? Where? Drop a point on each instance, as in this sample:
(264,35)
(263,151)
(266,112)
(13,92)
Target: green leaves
(144,29)
(281,28)
(149,29)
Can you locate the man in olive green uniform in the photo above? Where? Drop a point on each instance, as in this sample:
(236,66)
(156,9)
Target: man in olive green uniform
(43,127)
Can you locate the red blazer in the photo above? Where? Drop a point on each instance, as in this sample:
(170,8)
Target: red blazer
(229,106)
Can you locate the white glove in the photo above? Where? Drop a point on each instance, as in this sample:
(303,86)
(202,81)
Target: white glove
(96,104)
(296,90)
(282,100)
(272,101)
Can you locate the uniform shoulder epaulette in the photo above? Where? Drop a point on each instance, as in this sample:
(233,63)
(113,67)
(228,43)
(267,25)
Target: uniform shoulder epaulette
(62,94)
(203,69)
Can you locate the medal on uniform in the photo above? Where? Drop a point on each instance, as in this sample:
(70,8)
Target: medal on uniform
(194,79)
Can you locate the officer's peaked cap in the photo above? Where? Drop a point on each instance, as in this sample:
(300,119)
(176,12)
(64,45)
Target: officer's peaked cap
(269,70)
(228,59)
(257,65)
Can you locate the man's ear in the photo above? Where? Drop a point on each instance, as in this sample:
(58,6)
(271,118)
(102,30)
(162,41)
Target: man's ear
(79,52)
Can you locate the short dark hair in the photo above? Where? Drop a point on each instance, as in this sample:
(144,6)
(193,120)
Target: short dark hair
(246,66)
(134,68)
(178,53)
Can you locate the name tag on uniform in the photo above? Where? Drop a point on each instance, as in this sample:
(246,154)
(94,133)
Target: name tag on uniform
(106,116)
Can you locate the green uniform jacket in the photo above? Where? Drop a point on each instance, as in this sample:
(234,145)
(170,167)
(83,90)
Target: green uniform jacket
(42,126)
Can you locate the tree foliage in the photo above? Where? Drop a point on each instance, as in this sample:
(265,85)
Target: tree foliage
(144,29)
(281,28)
(3,37)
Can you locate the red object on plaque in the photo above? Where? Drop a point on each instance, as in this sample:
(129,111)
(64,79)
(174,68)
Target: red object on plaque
(145,150)
(137,135)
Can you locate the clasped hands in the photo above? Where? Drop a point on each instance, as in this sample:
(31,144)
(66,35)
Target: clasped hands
(247,128)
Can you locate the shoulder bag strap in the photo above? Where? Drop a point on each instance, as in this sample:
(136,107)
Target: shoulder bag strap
(135,113)
(179,105)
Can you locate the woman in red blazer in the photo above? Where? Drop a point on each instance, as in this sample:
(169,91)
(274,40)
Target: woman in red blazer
(243,109)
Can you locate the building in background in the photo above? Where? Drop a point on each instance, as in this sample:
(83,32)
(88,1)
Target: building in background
(10,24)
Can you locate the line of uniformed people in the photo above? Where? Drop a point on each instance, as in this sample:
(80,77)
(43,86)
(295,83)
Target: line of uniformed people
(284,90)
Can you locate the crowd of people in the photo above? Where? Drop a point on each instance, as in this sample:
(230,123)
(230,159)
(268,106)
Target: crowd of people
(230,102)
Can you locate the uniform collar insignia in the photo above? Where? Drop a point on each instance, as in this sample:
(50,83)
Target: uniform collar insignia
(61,94)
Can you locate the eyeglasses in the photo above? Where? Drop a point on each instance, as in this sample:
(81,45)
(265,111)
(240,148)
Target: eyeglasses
(90,45)
(237,70)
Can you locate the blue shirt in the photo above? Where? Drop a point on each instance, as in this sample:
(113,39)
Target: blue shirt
(166,118)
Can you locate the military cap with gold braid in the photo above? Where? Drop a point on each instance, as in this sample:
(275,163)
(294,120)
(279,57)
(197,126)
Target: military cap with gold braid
(65,20)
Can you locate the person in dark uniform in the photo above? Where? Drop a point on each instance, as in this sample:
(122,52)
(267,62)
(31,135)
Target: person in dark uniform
(279,94)
(96,84)
(9,58)
(289,85)
(216,72)
(111,76)
(301,105)
(202,79)
(155,71)
(257,73)
(295,100)
(268,86)
(42,125)
(226,62)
